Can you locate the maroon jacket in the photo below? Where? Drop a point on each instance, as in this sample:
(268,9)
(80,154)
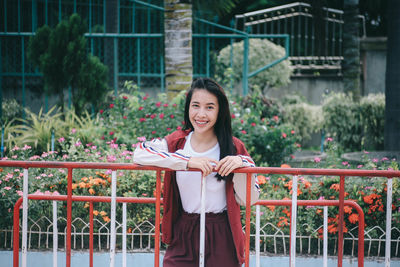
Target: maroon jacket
(172,201)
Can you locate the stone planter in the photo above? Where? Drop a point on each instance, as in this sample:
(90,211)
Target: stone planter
(356,157)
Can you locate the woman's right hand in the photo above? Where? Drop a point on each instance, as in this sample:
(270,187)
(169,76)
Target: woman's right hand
(206,165)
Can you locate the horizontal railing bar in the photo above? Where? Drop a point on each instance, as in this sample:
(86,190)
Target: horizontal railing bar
(263,170)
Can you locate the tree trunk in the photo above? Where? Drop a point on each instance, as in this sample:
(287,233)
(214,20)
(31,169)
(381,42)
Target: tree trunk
(111,26)
(178,46)
(351,49)
(392,91)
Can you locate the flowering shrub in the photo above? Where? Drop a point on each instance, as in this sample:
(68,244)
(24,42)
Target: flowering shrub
(261,53)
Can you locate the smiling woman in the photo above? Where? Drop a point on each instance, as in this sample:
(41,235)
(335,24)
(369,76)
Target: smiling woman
(206,143)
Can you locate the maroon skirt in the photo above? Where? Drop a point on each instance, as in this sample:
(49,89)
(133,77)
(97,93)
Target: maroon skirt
(184,248)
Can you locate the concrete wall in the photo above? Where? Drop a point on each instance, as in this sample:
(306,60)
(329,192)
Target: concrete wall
(373,69)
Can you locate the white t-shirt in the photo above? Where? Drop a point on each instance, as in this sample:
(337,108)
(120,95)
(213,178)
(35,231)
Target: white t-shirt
(189,184)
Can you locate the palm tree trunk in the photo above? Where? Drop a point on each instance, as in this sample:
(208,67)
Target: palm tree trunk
(178,45)
(351,49)
(392,91)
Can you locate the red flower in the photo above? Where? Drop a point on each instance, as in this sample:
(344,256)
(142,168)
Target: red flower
(292,132)
(284,135)
(179,128)
(233,116)
(111,133)
(172,116)
(101,111)
(142,119)
(174,105)
(241,121)
(141,108)
(152,116)
(146,96)
(165,105)
(253,124)
(158,104)
(276,118)
(162,116)
(153,132)
(243,132)
(168,129)
(111,105)
(125,117)
(125,97)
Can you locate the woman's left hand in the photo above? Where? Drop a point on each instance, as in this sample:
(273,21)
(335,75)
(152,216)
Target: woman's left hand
(226,165)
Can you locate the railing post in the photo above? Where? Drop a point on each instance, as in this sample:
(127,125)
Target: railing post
(248,214)
(388,221)
(202,220)
(91,234)
(24,217)
(124,234)
(55,234)
(69,217)
(325,249)
(293,221)
(341,222)
(257,245)
(113,210)
(157,230)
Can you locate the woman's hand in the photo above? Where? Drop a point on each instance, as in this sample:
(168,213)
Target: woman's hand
(226,165)
(206,165)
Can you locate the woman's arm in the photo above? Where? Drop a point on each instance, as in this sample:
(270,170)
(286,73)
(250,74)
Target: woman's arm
(156,153)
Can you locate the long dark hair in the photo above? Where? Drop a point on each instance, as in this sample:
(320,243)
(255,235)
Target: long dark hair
(222,127)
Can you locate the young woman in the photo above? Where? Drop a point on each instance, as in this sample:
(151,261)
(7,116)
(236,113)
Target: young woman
(206,143)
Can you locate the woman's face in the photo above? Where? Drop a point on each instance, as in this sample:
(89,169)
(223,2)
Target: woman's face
(203,111)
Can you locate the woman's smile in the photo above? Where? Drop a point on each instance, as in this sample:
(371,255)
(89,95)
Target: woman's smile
(203,111)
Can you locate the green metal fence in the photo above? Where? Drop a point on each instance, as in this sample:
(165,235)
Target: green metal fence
(127,35)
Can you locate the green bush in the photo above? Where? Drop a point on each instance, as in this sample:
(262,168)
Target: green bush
(355,125)
(261,53)
(10,110)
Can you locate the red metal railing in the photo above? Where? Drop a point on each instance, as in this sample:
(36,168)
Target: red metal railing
(120,166)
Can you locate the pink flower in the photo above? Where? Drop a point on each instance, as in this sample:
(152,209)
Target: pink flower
(345,163)
(61,139)
(292,131)
(7,188)
(253,124)
(125,97)
(329,139)
(108,172)
(142,119)
(243,132)
(241,121)
(375,160)
(114,146)
(38,193)
(233,116)
(321,198)
(317,159)
(179,128)
(142,139)
(15,148)
(168,129)
(20,193)
(101,111)
(174,105)
(93,147)
(73,130)
(171,116)
(165,105)
(124,117)
(111,105)
(366,152)
(15,156)
(153,132)
(284,135)
(384,159)
(55,193)
(26,147)
(152,116)
(276,118)
(158,104)
(111,133)
(359,166)
(161,116)
(65,156)
(146,96)
(141,108)
(111,158)
(79,143)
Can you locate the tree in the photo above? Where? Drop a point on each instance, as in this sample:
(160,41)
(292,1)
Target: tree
(60,54)
(392,109)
